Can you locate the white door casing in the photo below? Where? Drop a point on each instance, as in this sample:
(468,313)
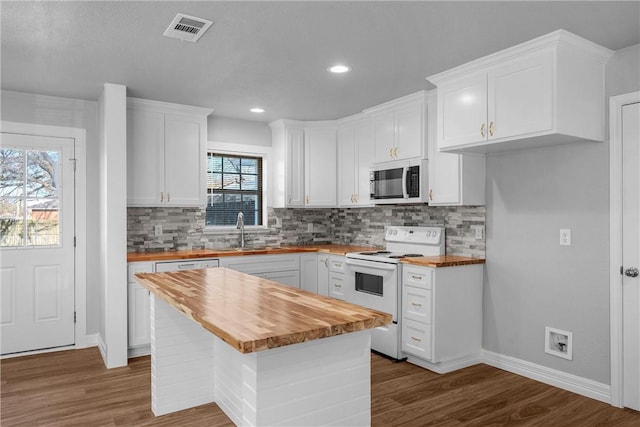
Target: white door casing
(78,210)
(37,250)
(625,249)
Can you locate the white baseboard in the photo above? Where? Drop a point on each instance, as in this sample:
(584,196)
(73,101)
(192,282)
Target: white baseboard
(448,366)
(563,380)
(91,340)
(103,349)
(144,350)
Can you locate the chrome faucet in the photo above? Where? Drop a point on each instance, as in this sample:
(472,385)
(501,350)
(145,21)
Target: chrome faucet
(240,226)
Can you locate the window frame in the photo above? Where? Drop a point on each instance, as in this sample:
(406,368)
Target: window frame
(243,150)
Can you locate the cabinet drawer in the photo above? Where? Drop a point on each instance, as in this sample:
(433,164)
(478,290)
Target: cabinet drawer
(336,264)
(421,277)
(416,339)
(417,304)
(139,267)
(337,286)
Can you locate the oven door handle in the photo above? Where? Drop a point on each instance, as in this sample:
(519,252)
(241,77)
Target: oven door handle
(377,266)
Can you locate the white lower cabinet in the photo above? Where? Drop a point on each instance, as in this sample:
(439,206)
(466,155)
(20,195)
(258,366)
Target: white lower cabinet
(442,315)
(138,316)
(309,272)
(337,285)
(284,269)
(323,274)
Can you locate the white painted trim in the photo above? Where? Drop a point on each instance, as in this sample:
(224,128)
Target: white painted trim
(103,349)
(563,380)
(615,240)
(167,107)
(80,137)
(448,366)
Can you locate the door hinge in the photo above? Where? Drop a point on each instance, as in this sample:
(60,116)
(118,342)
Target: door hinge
(621,270)
(74,241)
(75,317)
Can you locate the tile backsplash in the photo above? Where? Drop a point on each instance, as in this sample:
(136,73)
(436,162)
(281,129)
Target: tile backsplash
(183,228)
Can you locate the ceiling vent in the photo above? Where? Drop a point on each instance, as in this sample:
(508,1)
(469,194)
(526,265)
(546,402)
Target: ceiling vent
(187,28)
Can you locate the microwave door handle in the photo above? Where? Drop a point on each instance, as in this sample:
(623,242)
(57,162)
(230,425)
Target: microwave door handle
(405,170)
(378,265)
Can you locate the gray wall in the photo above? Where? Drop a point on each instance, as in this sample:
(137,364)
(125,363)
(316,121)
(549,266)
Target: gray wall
(532,282)
(224,129)
(53,111)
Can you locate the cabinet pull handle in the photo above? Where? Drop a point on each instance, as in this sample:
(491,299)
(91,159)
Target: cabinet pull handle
(307,199)
(326,262)
(357,197)
(416,339)
(168,197)
(161,197)
(395,152)
(338,264)
(416,277)
(336,285)
(491,129)
(431,194)
(416,304)
(482,130)
(391,152)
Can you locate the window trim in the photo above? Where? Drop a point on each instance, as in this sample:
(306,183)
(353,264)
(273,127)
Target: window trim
(233,149)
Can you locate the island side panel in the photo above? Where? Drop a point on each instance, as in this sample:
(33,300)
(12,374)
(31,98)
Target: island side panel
(320,382)
(182,359)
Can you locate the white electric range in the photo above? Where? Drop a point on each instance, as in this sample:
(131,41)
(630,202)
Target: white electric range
(373,279)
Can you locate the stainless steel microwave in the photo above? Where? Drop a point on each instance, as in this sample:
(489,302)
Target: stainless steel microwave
(401,181)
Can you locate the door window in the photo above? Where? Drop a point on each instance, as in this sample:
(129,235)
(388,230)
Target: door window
(29,197)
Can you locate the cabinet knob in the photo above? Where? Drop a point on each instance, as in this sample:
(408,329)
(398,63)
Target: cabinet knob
(491,128)
(482,130)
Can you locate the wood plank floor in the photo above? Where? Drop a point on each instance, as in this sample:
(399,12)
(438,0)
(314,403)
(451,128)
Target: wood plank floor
(72,388)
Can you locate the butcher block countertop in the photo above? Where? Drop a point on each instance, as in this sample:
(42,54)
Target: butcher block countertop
(251,313)
(442,261)
(217,253)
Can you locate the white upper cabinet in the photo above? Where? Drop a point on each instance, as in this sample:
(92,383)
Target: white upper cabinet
(355,156)
(399,129)
(166,156)
(320,167)
(454,179)
(303,168)
(549,90)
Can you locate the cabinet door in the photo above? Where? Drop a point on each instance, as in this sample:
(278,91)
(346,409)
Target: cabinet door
(384,136)
(347,172)
(520,96)
(294,167)
(184,161)
(145,157)
(309,272)
(409,132)
(462,111)
(364,157)
(138,315)
(320,167)
(289,278)
(323,274)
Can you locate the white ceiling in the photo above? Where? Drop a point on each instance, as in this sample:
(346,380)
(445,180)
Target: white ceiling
(275,54)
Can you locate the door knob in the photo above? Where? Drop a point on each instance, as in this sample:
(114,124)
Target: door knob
(631,272)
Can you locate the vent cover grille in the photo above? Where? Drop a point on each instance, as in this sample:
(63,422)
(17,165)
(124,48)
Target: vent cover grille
(187,28)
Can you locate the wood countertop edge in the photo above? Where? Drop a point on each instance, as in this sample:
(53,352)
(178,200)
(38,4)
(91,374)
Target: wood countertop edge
(213,253)
(443,261)
(267,343)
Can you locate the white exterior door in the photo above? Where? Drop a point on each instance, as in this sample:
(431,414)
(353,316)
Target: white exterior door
(631,254)
(37,284)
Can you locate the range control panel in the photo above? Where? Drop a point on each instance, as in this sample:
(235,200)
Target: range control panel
(418,235)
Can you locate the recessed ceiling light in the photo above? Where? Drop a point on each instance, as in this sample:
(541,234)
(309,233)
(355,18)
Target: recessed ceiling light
(339,68)
(257,110)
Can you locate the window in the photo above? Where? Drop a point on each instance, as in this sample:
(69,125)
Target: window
(234,184)
(29,197)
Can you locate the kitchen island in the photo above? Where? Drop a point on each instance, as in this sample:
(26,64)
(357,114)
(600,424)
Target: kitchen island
(267,354)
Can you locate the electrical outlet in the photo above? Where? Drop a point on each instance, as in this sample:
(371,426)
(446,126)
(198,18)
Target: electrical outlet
(157,230)
(565,237)
(479,233)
